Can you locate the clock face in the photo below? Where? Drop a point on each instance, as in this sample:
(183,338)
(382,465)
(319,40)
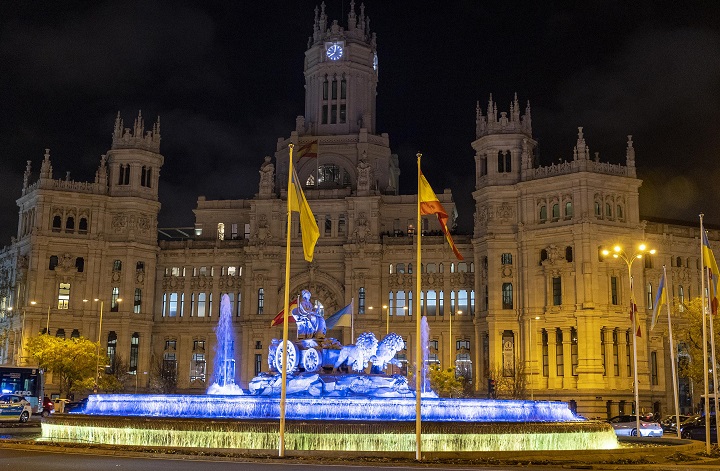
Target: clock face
(334,52)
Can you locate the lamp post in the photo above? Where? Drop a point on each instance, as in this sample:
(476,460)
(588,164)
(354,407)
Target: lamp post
(97,347)
(452,348)
(619,253)
(22,333)
(47,324)
(530,357)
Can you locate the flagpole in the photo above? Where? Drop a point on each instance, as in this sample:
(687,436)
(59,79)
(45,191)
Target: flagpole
(704,338)
(633,314)
(672,354)
(418,335)
(352,318)
(286,308)
(712,350)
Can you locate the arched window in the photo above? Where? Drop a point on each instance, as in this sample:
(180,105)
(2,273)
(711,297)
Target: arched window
(70,224)
(598,213)
(568,210)
(556,211)
(57,223)
(678,262)
(329,175)
(608,210)
(619,212)
(80,264)
(543,255)
(83,226)
(543,213)
(53,262)
(400,268)
(569,253)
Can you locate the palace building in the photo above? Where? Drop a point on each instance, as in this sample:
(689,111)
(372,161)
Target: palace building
(534,306)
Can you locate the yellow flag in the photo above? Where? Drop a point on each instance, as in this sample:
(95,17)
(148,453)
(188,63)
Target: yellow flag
(308,225)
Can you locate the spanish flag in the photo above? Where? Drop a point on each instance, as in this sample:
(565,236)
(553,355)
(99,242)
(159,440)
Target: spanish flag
(308,225)
(308,150)
(430,204)
(278,320)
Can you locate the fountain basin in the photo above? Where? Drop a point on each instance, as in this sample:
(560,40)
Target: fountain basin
(365,436)
(330,423)
(328,408)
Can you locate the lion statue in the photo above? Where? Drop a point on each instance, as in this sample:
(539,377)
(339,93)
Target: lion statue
(357,356)
(386,351)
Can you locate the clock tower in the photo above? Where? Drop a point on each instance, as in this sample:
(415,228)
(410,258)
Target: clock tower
(336,143)
(341,75)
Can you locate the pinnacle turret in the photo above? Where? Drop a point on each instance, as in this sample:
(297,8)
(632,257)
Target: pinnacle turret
(507,123)
(137,137)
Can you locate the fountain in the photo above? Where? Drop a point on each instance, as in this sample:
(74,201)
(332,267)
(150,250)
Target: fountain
(223,378)
(333,404)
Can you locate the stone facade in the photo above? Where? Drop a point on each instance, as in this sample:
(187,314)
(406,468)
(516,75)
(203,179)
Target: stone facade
(534,299)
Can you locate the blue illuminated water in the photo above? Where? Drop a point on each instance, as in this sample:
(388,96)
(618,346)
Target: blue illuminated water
(223,378)
(348,408)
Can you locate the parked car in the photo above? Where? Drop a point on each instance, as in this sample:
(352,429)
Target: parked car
(48,407)
(695,429)
(669,426)
(626,426)
(76,407)
(15,407)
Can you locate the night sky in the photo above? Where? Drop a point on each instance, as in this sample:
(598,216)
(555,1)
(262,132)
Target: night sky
(226,79)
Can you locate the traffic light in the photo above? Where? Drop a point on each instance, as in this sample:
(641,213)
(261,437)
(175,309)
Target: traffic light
(491,388)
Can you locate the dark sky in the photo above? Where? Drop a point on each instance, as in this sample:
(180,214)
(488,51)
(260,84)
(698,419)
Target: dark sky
(226,79)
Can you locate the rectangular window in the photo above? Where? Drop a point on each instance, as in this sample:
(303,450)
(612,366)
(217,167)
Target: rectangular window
(573,351)
(557,290)
(64,295)
(258,363)
(261,301)
(117,265)
(328,226)
(361,301)
(334,89)
(614,290)
(333,114)
(233,231)
(545,354)
(602,351)
(325,90)
(654,368)
(399,308)
(173,304)
(114,303)
(197,367)
(164,304)
(137,303)
(134,352)
(506,259)
(201,299)
(140,267)
(616,354)
(628,353)
(463,301)
(507,296)
(209,305)
(343,114)
(325,114)
(343,89)
(169,367)
(431,303)
(238,310)
(559,356)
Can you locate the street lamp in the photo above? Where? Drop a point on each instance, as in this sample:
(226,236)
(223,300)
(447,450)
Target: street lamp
(619,253)
(530,357)
(97,347)
(452,350)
